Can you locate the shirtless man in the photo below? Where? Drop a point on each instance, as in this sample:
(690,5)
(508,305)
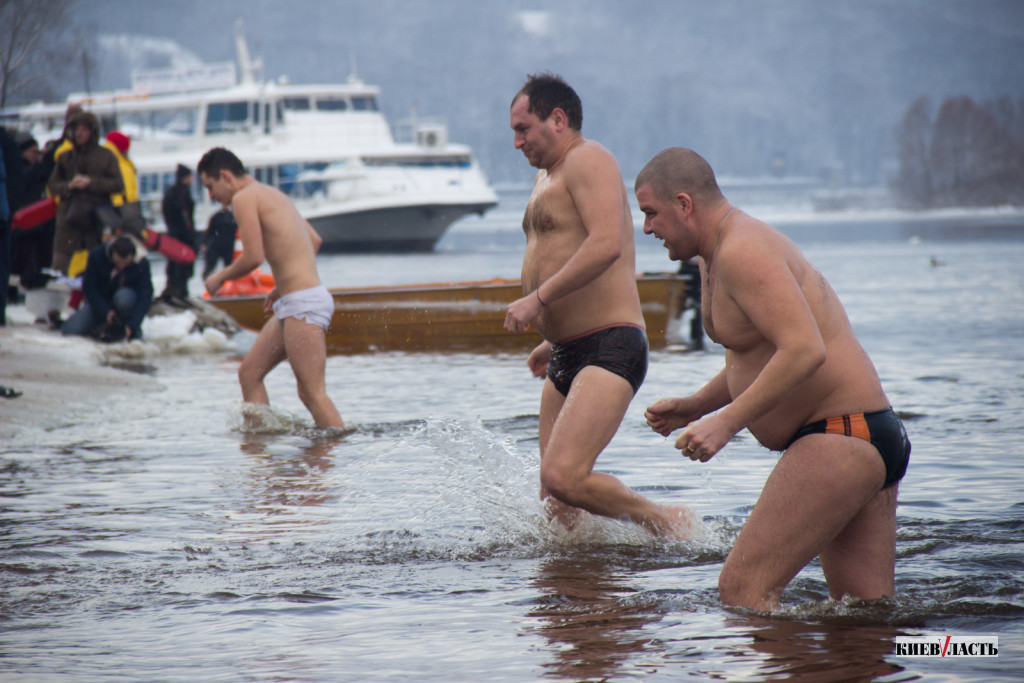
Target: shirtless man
(578,276)
(798,379)
(271,228)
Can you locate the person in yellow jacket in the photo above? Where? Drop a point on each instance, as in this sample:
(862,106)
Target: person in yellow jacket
(126,203)
(118,143)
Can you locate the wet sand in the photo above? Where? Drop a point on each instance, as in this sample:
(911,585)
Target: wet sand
(61,378)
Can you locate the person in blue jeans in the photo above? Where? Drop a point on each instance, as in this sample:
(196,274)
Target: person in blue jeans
(118,290)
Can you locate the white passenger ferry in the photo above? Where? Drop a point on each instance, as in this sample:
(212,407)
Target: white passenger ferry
(327,146)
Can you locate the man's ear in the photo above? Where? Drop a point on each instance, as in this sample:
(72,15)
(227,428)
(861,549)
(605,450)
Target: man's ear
(684,203)
(561,120)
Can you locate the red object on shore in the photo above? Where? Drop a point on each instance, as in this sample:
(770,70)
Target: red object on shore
(28,217)
(174,250)
(46,209)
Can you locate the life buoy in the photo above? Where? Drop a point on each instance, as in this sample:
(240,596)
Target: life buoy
(254,284)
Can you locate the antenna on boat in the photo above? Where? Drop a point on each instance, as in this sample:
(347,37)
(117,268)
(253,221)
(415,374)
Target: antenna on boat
(247,66)
(353,76)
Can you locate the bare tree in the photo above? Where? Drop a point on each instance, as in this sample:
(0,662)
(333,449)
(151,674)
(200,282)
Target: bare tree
(914,182)
(31,48)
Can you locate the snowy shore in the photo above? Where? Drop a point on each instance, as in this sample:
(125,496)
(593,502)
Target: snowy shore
(63,379)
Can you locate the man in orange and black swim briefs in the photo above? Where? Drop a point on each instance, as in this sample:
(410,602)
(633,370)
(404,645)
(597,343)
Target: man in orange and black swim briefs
(882,428)
(792,358)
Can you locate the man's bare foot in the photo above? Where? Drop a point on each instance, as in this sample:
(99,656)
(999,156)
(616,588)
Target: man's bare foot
(557,511)
(680,523)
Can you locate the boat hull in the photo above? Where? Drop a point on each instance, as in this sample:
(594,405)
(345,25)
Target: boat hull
(392,229)
(454,317)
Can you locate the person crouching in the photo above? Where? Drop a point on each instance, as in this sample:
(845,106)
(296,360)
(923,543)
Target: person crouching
(118,290)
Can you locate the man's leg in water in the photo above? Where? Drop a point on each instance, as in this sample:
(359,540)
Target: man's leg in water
(264,356)
(823,497)
(306,349)
(574,430)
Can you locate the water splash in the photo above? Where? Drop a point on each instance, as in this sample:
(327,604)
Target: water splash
(256,418)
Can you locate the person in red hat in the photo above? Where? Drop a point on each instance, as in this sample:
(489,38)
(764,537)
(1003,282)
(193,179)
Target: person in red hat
(126,203)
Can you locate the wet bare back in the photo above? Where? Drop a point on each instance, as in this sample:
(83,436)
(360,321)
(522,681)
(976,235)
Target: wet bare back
(565,210)
(756,301)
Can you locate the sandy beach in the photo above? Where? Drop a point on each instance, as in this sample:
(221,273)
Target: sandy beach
(59,377)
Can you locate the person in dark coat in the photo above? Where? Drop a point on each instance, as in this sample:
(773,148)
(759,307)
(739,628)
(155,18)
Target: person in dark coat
(34,176)
(83,179)
(179,217)
(32,249)
(118,291)
(13,189)
(5,240)
(219,241)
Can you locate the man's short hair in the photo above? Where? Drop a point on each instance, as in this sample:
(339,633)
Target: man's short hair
(548,92)
(676,170)
(123,246)
(220,159)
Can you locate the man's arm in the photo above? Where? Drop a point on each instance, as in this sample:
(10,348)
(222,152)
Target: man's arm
(314,237)
(669,414)
(539,359)
(250,233)
(57,185)
(594,182)
(96,269)
(108,180)
(143,286)
(758,279)
(592,177)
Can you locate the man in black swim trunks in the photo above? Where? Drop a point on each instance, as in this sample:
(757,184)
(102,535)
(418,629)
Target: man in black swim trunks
(798,379)
(580,283)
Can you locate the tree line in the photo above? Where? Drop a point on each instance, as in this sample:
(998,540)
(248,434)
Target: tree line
(964,154)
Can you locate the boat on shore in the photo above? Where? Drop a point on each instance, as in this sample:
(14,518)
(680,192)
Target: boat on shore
(328,147)
(458,316)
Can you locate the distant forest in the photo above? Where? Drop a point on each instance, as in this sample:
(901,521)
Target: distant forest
(966,154)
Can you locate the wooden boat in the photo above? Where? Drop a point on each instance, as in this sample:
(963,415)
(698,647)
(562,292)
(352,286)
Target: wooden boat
(453,316)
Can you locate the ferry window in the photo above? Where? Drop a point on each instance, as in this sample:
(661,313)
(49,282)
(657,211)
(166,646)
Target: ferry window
(180,122)
(288,179)
(149,183)
(364,103)
(331,104)
(151,124)
(286,174)
(226,116)
(296,103)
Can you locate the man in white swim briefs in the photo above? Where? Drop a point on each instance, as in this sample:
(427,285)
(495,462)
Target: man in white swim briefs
(271,228)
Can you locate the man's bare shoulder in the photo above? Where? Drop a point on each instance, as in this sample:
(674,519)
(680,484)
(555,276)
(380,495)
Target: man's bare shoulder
(750,250)
(588,154)
(257,196)
(253,191)
(589,166)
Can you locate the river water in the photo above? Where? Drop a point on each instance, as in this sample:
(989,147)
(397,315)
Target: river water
(153,538)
